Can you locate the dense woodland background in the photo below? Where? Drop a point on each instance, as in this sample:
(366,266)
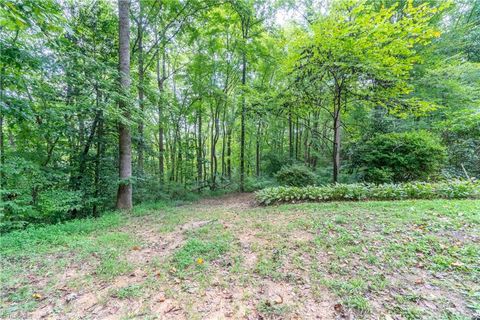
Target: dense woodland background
(229,95)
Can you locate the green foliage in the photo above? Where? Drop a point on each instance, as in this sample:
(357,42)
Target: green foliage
(399,157)
(273,162)
(455,189)
(461,135)
(59,97)
(258,183)
(296,175)
(368,50)
(39,238)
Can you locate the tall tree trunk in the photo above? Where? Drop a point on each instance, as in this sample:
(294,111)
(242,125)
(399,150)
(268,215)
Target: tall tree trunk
(141,74)
(315,138)
(290,134)
(224,143)
(257,151)
(199,147)
(86,148)
(98,159)
(124,193)
(2,137)
(2,155)
(298,138)
(229,152)
(336,135)
(242,131)
(161,145)
(216,131)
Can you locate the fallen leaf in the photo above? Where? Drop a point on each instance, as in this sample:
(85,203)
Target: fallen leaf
(338,308)
(277,299)
(37,296)
(70,297)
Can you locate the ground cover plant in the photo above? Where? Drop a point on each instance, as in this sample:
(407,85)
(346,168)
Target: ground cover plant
(227,257)
(455,189)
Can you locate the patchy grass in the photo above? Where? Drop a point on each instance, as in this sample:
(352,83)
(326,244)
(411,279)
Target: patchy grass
(228,258)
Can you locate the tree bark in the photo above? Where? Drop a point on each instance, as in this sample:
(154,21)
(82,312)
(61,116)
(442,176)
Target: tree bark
(199,147)
(336,135)
(98,158)
(141,75)
(161,145)
(290,134)
(124,193)
(229,153)
(242,130)
(257,151)
(2,137)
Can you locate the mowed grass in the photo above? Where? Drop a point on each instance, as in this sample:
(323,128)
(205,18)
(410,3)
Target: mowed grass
(403,259)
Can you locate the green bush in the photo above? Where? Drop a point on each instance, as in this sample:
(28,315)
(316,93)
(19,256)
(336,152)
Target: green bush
(461,135)
(258,183)
(273,161)
(296,175)
(399,157)
(455,189)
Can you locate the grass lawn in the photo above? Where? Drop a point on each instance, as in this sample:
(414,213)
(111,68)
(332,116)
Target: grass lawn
(228,258)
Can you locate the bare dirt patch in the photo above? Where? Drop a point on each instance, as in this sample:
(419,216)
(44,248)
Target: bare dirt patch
(233,201)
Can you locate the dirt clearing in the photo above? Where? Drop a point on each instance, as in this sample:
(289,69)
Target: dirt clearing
(226,258)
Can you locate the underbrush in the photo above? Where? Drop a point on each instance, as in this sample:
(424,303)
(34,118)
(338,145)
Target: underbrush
(455,189)
(39,238)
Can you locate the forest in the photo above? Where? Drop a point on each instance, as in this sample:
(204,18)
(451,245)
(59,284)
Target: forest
(211,95)
(179,116)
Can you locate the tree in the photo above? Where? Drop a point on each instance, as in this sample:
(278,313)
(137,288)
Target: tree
(124,194)
(360,53)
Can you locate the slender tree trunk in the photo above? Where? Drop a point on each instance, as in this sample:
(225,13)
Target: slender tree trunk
(2,137)
(224,144)
(315,137)
(257,151)
(298,138)
(141,74)
(242,131)
(229,152)
(199,147)
(290,134)
(216,131)
(124,194)
(212,150)
(2,155)
(161,146)
(173,150)
(86,149)
(336,135)
(98,159)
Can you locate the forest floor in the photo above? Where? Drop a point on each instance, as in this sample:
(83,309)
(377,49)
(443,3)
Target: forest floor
(227,258)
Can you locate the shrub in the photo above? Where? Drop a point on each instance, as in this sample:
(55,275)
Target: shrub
(296,175)
(399,157)
(461,135)
(258,183)
(274,161)
(455,189)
